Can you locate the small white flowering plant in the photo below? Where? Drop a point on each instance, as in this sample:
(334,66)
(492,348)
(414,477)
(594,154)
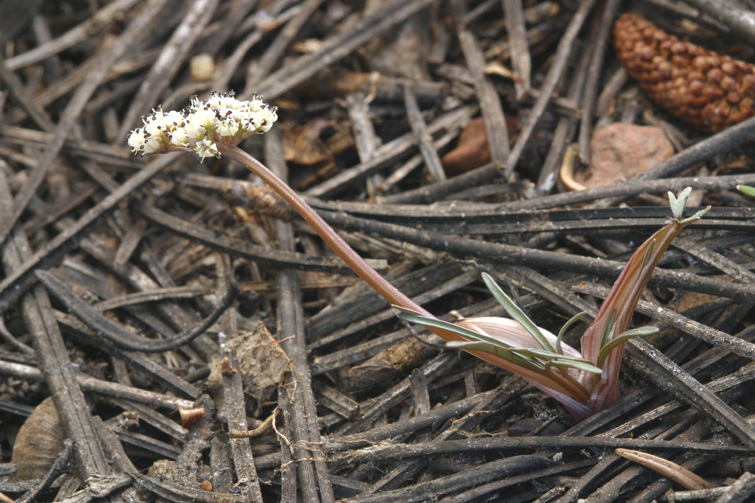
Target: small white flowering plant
(219,120)
(584,382)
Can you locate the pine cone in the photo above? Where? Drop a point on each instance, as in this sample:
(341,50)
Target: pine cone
(709,90)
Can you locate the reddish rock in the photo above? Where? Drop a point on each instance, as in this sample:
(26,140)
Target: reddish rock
(621,151)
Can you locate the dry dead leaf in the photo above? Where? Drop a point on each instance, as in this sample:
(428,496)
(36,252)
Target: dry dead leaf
(621,151)
(261,361)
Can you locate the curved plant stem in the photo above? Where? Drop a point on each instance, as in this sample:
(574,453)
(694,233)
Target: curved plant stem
(342,249)
(561,382)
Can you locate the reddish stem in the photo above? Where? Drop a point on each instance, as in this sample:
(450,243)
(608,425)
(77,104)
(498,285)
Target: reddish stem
(326,232)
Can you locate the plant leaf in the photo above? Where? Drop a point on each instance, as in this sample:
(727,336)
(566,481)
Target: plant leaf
(470,344)
(406,310)
(648,255)
(677,207)
(563,330)
(694,218)
(578,365)
(480,346)
(546,355)
(622,338)
(677,204)
(608,329)
(507,354)
(515,312)
(445,325)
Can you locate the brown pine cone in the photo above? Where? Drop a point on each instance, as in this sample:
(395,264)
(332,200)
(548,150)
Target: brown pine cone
(709,90)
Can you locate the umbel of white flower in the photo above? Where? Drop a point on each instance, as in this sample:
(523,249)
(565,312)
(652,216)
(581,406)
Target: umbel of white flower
(219,119)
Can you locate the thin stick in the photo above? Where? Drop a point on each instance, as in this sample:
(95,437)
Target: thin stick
(549,85)
(593,77)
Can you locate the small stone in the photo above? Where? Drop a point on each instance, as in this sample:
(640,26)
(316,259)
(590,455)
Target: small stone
(621,151)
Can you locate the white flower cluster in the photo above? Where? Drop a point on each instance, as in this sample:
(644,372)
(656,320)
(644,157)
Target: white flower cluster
(219,119)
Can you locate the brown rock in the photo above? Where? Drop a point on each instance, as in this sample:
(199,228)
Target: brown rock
(620,151)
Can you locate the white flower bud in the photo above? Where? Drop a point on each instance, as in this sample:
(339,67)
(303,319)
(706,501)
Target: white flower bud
(179,138)
(206,148)
(174,119)
(155,127)
(136,140)
(153,144)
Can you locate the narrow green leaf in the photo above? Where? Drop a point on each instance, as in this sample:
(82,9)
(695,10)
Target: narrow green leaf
(527,354)
(444,325)
(574,319)
(480,346)
(672,202)
(546,355)
(694,218)
(506,354)
(515,312)
(609,329)
(587,367)
(622,338)
(677,204)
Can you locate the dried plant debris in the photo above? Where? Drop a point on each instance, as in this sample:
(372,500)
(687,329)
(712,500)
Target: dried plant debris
(391,363)
(259,199)
(404,50)
(261,362)
(302,144)
(471,152)
(39,441)
(337,82)
(709,90)
(316,142)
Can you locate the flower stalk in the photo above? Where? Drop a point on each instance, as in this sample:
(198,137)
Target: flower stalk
(584,382)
